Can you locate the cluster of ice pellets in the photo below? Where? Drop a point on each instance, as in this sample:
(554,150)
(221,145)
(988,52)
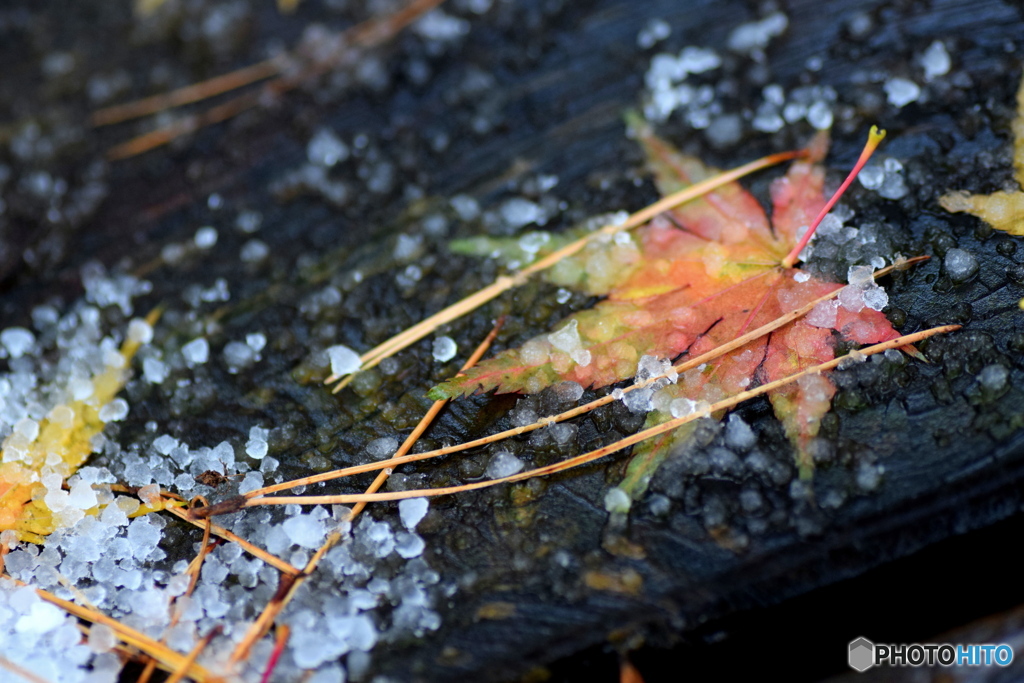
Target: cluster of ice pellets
(861,292)
(667,90)
(753,37)
(568,340)
(885,177)
(812,103)
(42,639)
(639,400)
(836,241)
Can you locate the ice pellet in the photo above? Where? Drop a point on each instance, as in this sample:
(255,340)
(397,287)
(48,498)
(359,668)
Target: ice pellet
(936,61)
(819,115)
(344,361)
(17,340)
(681,407)
(238,355)
(993,377)
(568,338)
(754,36)
(503,464)
(326,149)
(383,447)
(871,176)
(254,251)
(140,331)
(102,638)
(114,411)
(738,434)
(875,298)
(256,341)
(444,349)
(517,212)
(851,298)
(205,237)
(901,91)
(304,530)
(654,32)
(409,545)
(42,617)
(412,511)
(154,370)
(960,265)
(197,351)
(256,446)
(617,501)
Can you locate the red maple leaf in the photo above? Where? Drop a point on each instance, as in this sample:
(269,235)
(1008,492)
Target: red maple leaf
(687,282)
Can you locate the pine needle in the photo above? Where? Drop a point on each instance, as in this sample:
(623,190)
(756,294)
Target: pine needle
(545,421)
(287,72)
(599,453)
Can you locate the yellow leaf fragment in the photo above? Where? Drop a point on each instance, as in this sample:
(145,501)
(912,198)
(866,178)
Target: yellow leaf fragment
(1002,210)
(61,445)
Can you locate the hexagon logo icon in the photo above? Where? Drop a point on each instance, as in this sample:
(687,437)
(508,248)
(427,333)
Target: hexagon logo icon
(862,654)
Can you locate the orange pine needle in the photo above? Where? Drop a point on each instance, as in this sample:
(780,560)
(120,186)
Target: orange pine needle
(167,658)
(197,564)
(182,670)
(189,94)
(591,456)
(290,72)
(257,552)
(545,421)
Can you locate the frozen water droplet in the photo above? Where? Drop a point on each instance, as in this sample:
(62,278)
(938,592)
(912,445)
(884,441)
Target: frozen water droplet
(17,340)
(205,237)
(412,511)
(738,434)
(617,501)
(851,298)
(960,265)
(936,61)
(993,377)
(196,352)
(568,338)
(326,149)
(901,91)
(304,530)
(114,411)
(154,370)
(444,349)
(344,361)
(875,298)
(871,176)
(819,115)
(256,447)
(503,464)
(383,447)
(140,331)
(681,407)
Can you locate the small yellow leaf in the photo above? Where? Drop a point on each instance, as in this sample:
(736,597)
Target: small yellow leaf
(66,432)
